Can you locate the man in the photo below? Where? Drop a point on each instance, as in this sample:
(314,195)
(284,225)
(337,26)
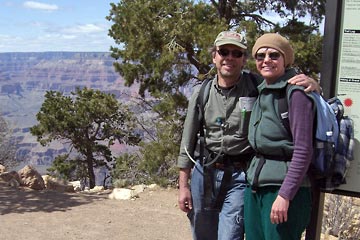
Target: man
(215,202)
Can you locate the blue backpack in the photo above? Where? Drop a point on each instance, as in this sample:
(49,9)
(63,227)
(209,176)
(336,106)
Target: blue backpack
(333,140)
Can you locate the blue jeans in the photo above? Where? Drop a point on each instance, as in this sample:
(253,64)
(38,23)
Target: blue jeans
(214,224)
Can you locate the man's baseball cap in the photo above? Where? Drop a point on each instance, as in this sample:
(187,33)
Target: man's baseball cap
(229,37)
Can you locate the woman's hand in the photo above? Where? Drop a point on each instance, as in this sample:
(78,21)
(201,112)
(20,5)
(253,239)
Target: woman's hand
(279,210)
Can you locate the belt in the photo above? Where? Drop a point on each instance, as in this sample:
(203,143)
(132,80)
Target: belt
(240,165)
(224,161)
(274,157)
(225,158)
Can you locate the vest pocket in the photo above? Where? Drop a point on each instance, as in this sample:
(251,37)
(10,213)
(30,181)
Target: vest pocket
(244,122)
(245,104)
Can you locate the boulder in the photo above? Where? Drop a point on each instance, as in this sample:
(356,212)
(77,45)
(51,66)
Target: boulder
(139,188)
(77,186)
(2,169)
(97,189)
(57,185)
(11,178)
(13,183)
(130,193)
(7,176)
(31,178)
(122,194)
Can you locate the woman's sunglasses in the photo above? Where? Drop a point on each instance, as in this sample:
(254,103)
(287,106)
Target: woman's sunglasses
(272,56)
(225,52)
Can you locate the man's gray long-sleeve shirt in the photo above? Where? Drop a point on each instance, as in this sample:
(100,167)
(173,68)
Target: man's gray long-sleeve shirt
(226,119)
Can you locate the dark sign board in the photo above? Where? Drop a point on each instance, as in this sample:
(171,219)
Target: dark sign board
(341,73)
(340,76)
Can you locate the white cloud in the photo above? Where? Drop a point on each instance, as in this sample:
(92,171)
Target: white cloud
(56,41)
(68,36)
(4,37)
(37,24)
(40,6)
(87,28)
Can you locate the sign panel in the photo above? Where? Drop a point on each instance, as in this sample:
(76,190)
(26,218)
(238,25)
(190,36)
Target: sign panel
(348,81)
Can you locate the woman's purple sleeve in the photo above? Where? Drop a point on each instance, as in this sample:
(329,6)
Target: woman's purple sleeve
(301,118)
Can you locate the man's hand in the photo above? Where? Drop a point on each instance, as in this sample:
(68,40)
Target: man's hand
(307,82)
(185,202)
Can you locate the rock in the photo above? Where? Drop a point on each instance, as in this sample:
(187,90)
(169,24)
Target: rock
(97,189)
(57,184)
(132,193)
(122,194)
(153,186)
(31,178)
(2,169)
(11,178)
(138,188)
(77,186)
(14,183)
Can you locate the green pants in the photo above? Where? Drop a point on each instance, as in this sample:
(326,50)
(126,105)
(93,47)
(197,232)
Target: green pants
(257,215)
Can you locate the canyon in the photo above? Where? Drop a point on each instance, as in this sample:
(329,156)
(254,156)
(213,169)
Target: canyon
(25,78)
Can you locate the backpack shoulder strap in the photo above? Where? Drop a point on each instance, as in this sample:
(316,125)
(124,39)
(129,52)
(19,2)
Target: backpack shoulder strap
(203,97)
(283,107)
(255,81)
(200,102)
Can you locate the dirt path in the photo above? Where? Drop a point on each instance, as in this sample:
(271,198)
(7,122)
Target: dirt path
(34,215)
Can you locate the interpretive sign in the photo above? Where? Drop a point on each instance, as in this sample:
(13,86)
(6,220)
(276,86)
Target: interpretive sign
(348,81)
(340,76)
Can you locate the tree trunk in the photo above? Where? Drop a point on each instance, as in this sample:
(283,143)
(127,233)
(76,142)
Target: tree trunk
(91,172)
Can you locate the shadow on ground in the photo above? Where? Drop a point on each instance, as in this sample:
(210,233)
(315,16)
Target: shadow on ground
(22,200)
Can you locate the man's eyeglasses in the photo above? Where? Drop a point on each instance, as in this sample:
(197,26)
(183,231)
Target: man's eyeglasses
(273,56)
(225,52)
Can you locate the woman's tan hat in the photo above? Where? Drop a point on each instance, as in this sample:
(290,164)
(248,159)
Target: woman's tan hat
(278,42)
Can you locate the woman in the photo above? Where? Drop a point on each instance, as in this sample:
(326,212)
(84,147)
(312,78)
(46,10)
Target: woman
(278,199)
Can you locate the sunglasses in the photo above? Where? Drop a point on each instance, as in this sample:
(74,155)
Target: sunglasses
(273,56)
(225,52)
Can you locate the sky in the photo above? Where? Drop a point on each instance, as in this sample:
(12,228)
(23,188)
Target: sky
(55,25)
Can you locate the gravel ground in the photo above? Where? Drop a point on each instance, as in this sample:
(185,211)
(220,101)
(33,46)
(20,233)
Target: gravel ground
(34,215)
